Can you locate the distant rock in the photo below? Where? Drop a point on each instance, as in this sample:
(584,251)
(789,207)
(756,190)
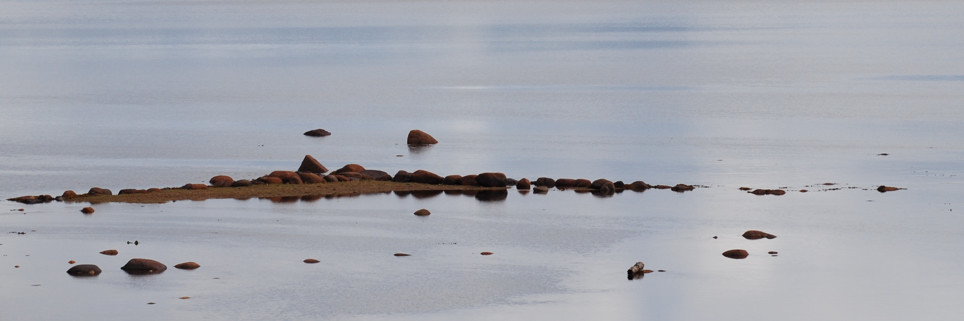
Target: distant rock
(287,177)
(603,186)
(884,188)
(311,165)
(99,191)
(241,183)
(486,253)
(682,188)
(402,254)
(736,254)
(84,270)
(564,183)
(636,271)
(470,180)
(187,266)
(759,191)
(68,194)
(426,177)
(127,191)
(639,186)
(523,184)
(311,261)
(375,174)
(317,133)
(349,168)
(87,210)
(402,176)
(756,235)
(311,178)
(193,186)
(545,181)
(31,199)
(109,252)
(422,212)
(452,180)
(418,137)
(221,181)
(143,266)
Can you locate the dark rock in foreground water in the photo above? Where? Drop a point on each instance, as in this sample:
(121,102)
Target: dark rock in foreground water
(756,235)
(736,254)
(84,270)
(317,133)
(143,266)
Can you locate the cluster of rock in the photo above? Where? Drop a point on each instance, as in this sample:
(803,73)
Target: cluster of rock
(136,266)
(749,235)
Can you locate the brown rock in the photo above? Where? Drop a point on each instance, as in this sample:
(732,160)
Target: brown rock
(221,181)
(523,184)
(71,262)
(603,186)
(491,179)
(187,266)
(131,191)
(68,194)
(317,133)
(311,261)
(402,254)
(486,253)
(756,235)
(636,271)
(194,186)
(563,183)
(402,177)
(426,177)
(143,266)
(545,181)
(311,178)
(241,183)
(287,177)
(470,180)
(87,210)
(736,254)
(109,252)
(418,137)
(639,186)
(661,186)
(422,212)
(349,168)
(452,180)
(99,191)
(682,188)
(84,270)
(312,165)
(884,188)
(376,175)
(331,178)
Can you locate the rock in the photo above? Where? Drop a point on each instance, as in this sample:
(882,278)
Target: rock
(639,186)
(99,191)
(317,133)
(581,183)
(486,253)
(492,195)
(143,266)
(422,212)
(682,188)
(349,168)
(470,180)
(884,188)
(426,177)
(127,191)
(756,235)
(402,177)
(269,180)
(777,192)
(376,175)
(523,184)
(241,183)
(452,180)
(418,137)
(545,181)
(636,271)
(187,266)
(87,210)
(192,186)
(221,181)
(311,261)
(491,179)
(109,252)
(402,254)
(563,183)
(84,270)
(774,253)
(68,194)
(661,186)
(540,190)
(603,186)
(31,199)
(312,165)
(736,254)
(311,178)
(287,177)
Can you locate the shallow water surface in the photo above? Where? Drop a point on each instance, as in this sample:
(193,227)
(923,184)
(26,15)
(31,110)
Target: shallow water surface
(832,97)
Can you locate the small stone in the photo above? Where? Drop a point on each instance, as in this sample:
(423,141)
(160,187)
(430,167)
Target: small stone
(87,210)
(402,254)
(756,235)
(187,266)
(71,262)
(772,253)
(109,252)
(311,261)
(184,297)
(883,188)
(486,253)
(422,212)
(736,254)
(317,133)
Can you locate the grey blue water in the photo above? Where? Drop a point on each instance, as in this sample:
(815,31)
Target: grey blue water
(720,94)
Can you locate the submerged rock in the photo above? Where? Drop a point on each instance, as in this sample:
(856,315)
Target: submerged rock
(187,266)
(884,188)
(87,210)
(491,179)
(422,212)
(418,137)
(143,266)
(311,261)
(317,133)
(84,270)
(736,254)
(756,235)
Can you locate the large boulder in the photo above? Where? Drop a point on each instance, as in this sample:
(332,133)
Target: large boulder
(143,266)
(311,165)
(349,168)
(545,181)
(470,180)
(603,186)
(452,180)
(426,177)
(317,133)
(564,183)
(84,270)
(523,184)
(418,137)
(491,179)
(221,181)
(287,177)
(99,191)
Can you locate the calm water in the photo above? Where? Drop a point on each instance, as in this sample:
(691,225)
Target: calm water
(124,94)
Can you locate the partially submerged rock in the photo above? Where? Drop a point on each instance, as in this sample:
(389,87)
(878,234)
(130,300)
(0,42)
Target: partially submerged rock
(418,137)
(884,188)
(221,181)
(87,210)
(422,212)
(756,235)
(143,266)
(84,270)
(637,271)
(109,252)
(311,165)
(760,191)
(187,266)
(317,133)
(736,254)
(491,179)
(311,261)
